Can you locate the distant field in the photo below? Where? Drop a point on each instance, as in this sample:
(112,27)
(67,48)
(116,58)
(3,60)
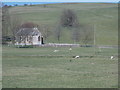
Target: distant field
(25,68)
(103,16)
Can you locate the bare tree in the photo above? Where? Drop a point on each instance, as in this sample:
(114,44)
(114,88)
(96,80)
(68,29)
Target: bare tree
(45,32)
(87,38)
(58,32)
(76,35)
(69,18)
(83,34)
(15,24)
(5,20)
(87,34)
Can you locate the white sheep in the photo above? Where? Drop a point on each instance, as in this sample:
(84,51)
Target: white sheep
(55,50)
(70,49)
(112,57)
(77,56)
(92,63)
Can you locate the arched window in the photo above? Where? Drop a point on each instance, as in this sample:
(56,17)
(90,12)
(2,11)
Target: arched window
(39,38)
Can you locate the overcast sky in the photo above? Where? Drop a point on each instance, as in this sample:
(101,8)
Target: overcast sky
(114,1)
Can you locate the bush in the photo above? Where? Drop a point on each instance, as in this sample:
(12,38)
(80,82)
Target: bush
(86,45)
(24,46)
(6,39)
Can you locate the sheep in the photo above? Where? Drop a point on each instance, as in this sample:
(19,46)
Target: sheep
(70,49)
(55,50)
(111,57)
(77,56)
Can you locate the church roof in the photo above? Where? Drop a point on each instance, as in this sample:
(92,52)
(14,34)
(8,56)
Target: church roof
(28,32)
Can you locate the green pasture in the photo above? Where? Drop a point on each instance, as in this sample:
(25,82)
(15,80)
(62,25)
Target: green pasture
(41,67)
(30,68)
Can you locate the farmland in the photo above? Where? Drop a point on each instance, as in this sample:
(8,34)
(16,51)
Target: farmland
(41,67)
(23,67)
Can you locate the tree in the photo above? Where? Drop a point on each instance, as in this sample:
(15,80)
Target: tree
(45,32)
(44,5)
(5,20)
(29,25)
(86,34)
(6,24)
(76,35)
(10,6)
(25,4)
(69,18)
(15,24)
(58,33)
(15,4)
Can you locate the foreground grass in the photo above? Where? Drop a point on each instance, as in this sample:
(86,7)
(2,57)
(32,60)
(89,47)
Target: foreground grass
(63,72)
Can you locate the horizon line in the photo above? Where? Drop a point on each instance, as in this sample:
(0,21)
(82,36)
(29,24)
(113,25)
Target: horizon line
(82,1)
(55,2)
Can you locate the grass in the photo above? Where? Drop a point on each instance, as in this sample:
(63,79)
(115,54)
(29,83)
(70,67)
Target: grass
(104,16)
(58,72)
(41,67)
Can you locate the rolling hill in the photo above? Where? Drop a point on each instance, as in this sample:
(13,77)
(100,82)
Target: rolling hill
(104,16)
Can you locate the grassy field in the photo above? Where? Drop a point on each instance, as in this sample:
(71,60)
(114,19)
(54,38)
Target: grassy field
(41,67)
(103,16)
(26,68)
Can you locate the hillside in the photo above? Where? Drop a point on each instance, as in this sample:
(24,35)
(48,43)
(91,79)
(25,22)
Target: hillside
(103,16)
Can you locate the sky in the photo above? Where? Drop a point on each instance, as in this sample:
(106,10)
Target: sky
(112,1)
